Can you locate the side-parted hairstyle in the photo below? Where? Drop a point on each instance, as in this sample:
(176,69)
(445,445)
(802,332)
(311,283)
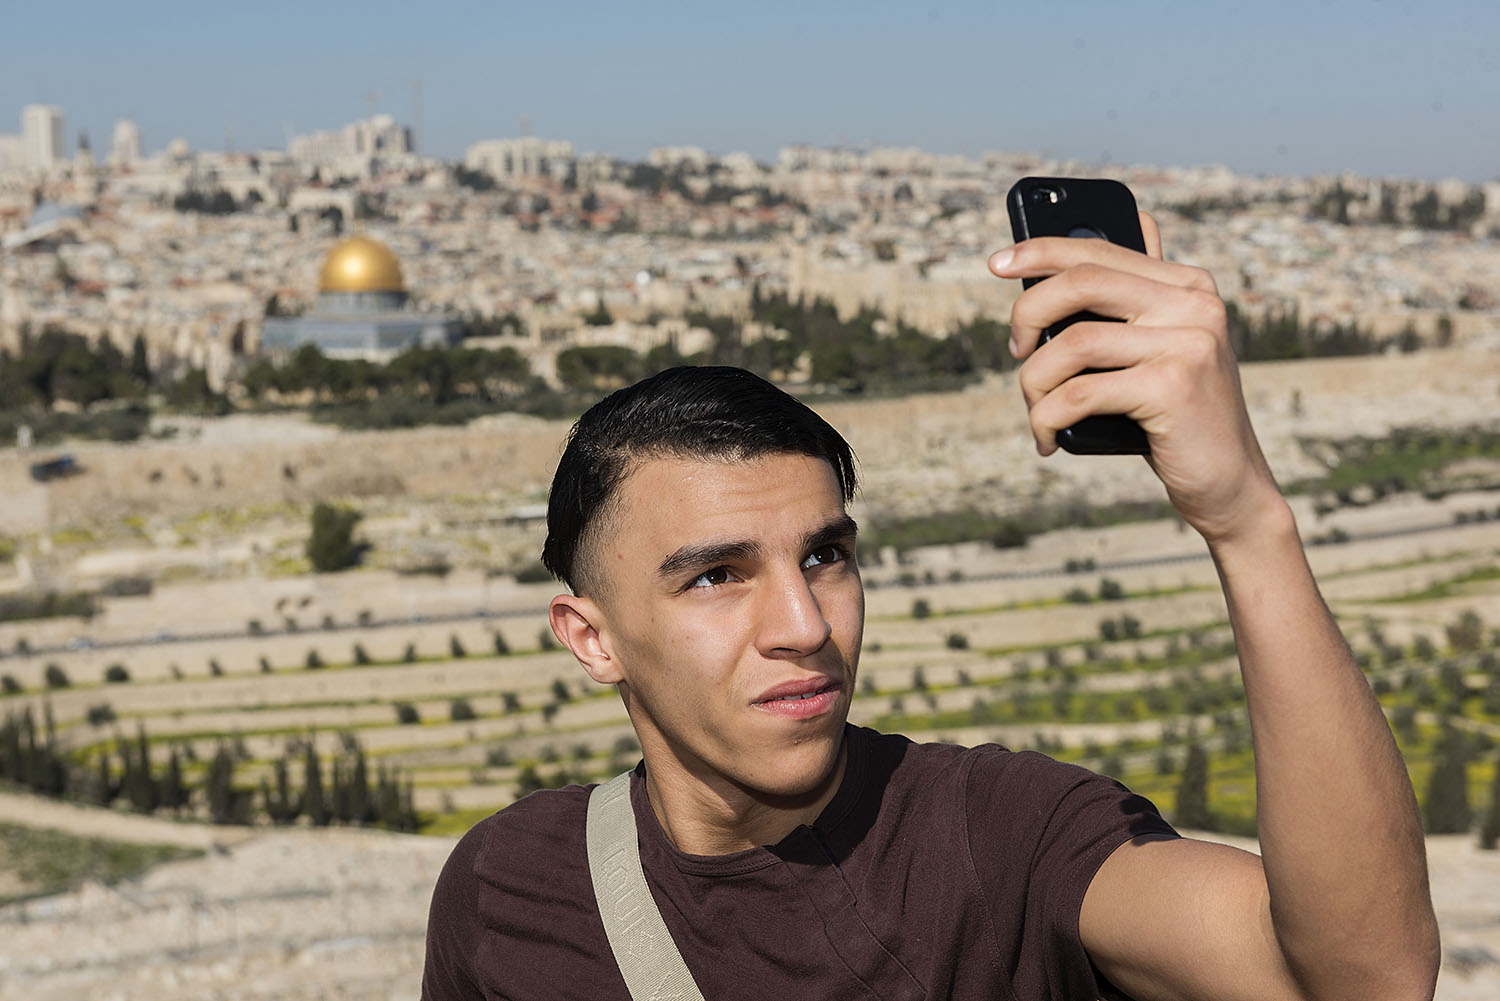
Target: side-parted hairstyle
(703,412)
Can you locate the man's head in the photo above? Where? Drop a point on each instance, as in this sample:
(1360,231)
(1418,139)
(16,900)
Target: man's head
(699,518)
(708,412)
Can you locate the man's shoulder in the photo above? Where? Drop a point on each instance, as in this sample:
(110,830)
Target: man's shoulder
(950,780)
(513,900)
(543,829)
(918,781)
(900,757)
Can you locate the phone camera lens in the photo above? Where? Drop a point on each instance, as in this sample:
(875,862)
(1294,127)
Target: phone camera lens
(1046,195)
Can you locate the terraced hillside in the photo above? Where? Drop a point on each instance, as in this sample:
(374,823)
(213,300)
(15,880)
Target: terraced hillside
(1122,662)
(214,675)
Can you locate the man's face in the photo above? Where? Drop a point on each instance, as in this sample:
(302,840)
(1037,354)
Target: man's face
(733,611)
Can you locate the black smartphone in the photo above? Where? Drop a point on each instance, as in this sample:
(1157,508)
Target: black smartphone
(1097,208)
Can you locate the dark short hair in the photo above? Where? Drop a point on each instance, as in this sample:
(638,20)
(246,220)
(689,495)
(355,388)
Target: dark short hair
(707,412)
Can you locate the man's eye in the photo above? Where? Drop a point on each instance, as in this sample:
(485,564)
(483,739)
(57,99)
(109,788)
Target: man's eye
(711,578)
(824,555)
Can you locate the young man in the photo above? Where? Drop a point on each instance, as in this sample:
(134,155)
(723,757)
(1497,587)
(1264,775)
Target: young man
(699,521)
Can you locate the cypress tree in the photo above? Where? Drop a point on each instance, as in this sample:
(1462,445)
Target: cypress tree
(51,767)
(1192,791)
(10,749)
(408,805)
(1447,808)
(143,792)
(174,794)
(140,367)
(314,805)
(336,804)
(385,800)
(1489,831)
(274,802)
(127,768)
(359,789)
(33,774)
(219,786)
(286,803)
(105,788)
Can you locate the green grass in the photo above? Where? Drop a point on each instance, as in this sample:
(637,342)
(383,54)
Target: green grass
(1004,531)
(1041,648)
(1008,708)
(1031,604)
(453,823)
(1231,790)
(51,861)
(1404,459)
(1447,588)
(1419,561)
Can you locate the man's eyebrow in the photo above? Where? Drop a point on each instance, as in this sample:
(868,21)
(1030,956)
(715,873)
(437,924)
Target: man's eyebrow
(837,530)
(707,554)
(710,554)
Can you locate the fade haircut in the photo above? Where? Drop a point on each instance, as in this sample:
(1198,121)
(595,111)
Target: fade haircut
(689,412)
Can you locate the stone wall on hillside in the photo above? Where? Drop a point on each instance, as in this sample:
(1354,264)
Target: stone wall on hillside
(181,478)
(917,453)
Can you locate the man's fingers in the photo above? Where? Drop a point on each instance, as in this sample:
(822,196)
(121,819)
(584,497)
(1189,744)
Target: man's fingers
(1048,255)
(1149,375)
(1152,233)
(1083,396)
(1098,344)
(1101,277)
(1110,293)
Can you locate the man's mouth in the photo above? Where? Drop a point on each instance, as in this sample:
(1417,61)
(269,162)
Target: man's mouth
(801,699)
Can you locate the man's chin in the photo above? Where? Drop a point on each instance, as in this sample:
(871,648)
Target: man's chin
(806,772)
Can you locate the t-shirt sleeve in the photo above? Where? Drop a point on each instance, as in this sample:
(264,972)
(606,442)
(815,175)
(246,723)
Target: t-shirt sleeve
(1039,830)
(453,926)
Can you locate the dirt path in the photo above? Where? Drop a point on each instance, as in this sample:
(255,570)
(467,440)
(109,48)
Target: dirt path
(115,825)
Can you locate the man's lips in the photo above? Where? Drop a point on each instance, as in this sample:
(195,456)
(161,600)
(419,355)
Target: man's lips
(798,689)
(801,698)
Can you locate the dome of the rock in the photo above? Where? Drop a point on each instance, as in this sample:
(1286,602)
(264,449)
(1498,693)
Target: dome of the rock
(361,264)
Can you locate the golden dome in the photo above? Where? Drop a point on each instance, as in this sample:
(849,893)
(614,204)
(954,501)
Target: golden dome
(360,264)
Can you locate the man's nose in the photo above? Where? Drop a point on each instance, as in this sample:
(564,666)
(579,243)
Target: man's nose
(791,620)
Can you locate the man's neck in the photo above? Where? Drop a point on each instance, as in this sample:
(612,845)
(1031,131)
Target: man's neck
(718,817)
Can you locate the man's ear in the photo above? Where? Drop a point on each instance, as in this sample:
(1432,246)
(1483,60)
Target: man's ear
(578,624)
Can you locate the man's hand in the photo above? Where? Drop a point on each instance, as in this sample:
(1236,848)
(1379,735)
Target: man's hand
(1173,370)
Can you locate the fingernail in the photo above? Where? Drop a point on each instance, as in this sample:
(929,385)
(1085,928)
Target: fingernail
(1000,259)
(1015,351)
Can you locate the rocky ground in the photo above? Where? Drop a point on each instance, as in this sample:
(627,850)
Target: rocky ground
(284,915)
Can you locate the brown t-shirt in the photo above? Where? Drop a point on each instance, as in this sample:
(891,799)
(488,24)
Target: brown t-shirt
(935,871)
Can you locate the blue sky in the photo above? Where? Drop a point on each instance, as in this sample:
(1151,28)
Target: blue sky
(1381,88)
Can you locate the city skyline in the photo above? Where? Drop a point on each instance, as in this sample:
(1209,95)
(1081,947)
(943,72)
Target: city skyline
(1380,89)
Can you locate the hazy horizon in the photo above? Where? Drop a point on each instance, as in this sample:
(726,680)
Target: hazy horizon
(1380,89)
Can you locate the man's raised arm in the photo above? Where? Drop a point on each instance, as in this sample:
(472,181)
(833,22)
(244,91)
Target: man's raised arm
(1337,906)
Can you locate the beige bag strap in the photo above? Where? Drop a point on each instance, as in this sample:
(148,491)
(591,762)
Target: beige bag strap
(643,948)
